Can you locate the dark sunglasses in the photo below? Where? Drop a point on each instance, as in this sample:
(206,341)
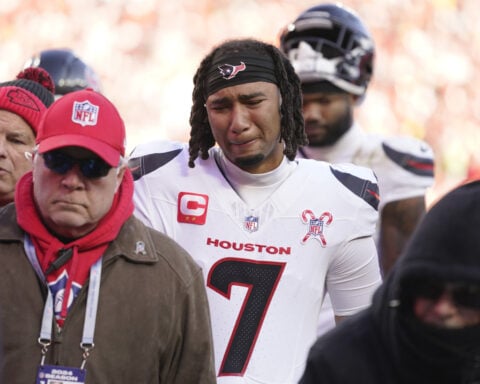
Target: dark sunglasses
(463,294)
(59,162)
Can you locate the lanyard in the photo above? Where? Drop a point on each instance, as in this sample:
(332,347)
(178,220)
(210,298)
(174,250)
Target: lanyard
(45,338)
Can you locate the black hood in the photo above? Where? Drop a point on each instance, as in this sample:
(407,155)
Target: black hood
(445,247)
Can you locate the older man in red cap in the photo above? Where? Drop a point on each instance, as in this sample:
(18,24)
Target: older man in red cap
(88,287)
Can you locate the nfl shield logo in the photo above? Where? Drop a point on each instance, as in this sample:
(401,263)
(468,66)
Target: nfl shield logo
(315,227)
(251,223)
(85,113)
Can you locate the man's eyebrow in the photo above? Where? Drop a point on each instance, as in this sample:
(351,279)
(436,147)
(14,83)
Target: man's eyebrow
(251,96)
(17,135)
(241,98)
(220,101)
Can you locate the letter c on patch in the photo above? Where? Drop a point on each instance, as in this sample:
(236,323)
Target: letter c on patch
(192,208)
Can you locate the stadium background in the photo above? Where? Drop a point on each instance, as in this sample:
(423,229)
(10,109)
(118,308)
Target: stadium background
(426,82)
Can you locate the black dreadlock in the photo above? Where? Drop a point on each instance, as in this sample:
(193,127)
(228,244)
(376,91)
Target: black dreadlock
(292,126)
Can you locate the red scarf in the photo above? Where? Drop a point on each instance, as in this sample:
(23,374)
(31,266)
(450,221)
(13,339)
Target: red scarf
(86,250)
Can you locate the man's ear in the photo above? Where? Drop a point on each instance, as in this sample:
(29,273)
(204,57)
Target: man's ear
(120,174)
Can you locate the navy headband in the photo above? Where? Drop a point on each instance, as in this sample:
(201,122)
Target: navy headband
(233,69)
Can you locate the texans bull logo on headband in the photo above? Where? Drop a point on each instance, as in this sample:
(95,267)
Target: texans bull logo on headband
(229,71)
(254,66)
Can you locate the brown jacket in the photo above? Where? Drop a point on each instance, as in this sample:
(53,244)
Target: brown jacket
(152,326)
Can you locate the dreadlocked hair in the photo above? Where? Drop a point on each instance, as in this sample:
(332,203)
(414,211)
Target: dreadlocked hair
(292,126)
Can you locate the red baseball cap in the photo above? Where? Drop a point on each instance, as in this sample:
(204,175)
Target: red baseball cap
(84,119)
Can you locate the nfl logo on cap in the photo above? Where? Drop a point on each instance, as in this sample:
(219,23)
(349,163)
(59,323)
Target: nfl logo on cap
(85,113)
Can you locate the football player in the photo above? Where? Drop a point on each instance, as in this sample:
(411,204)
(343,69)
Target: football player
(271,233)
(333,54)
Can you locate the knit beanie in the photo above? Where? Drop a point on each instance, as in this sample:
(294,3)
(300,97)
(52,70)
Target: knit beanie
(28,96)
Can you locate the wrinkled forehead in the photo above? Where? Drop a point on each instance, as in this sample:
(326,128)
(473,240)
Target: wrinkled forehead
(244,92)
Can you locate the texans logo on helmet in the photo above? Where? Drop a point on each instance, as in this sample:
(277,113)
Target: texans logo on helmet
(229,71)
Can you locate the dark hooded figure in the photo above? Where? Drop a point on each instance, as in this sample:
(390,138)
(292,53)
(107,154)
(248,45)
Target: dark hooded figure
(424,322)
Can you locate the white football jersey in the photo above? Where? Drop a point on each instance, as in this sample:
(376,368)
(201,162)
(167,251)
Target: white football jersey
(266,269)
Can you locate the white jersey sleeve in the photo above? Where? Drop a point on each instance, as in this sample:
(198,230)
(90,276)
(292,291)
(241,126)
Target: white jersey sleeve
(406,169)
(348,266)
(403,165)
(349,293)
(144,159)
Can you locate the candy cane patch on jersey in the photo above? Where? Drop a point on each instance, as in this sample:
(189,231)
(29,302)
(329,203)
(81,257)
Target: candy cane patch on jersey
(316,226)
(192,208)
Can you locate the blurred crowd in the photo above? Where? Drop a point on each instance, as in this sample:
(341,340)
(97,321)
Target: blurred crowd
(426,81)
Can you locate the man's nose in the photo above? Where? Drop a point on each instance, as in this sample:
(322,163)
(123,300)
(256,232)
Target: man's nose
(3,146)
(240,120)
(73,178)
(445,305)
(313,112)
